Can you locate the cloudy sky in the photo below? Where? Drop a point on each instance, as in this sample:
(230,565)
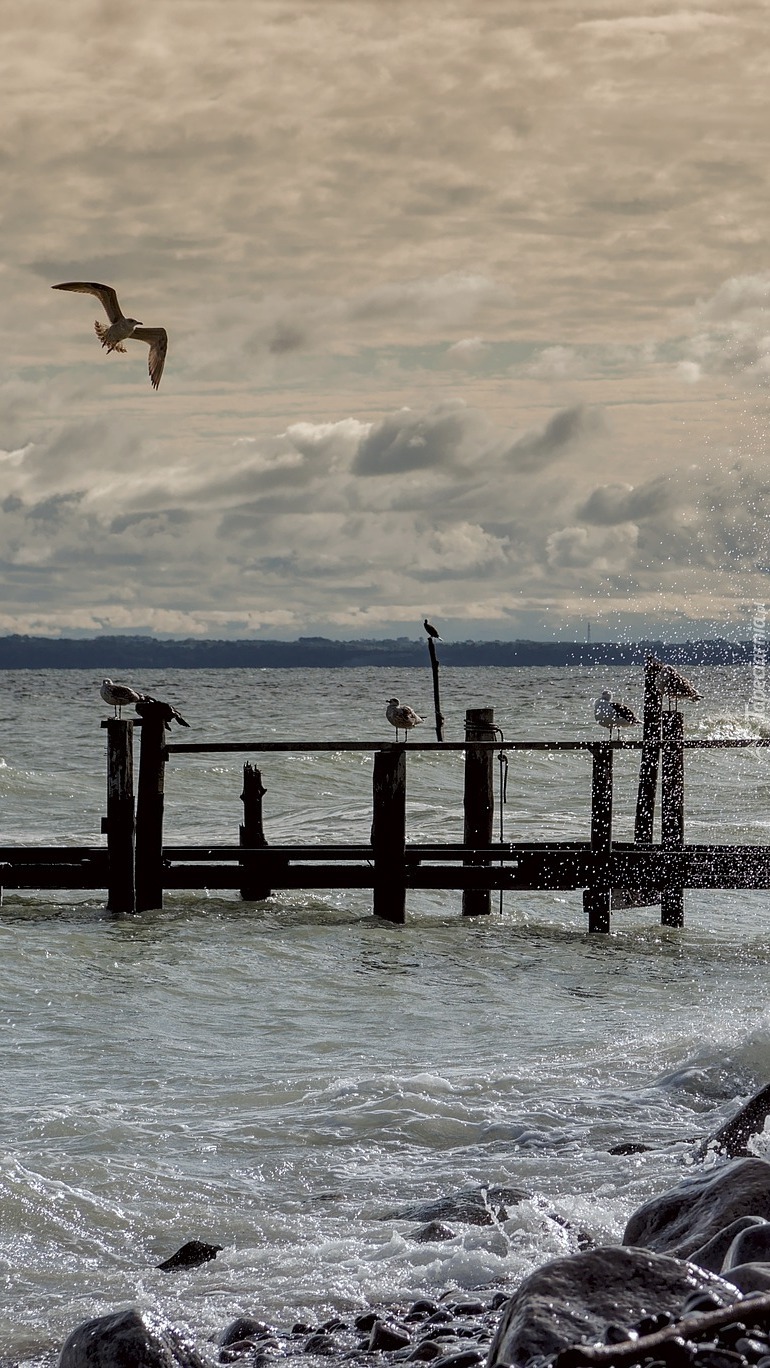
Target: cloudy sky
(467,307)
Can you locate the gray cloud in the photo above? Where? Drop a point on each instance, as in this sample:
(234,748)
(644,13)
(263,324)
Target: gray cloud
(618,503)
(563,429)
(444,436)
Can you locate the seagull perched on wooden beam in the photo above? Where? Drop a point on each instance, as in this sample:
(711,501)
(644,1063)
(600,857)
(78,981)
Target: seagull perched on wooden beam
(402,717)
(431,630)
(121,328)
(119,696)
(610,713)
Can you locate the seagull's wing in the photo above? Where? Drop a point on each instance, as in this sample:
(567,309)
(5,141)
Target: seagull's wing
(158,341)
(104,293)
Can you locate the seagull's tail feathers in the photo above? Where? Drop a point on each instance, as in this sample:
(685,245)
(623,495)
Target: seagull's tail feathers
(104,337)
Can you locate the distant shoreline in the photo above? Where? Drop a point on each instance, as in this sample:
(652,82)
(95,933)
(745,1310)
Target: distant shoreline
(119,653)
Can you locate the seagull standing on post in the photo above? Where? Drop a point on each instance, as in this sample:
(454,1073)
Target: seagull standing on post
(609,713)
(671,684)
(402,717)
(121,328)
(119,696)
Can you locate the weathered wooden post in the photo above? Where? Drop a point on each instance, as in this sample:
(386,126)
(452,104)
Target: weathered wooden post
(119,823)
(597,899)
(478,800)
(149,810)
(672,810)
(251,833)
(648,762)
(389,834)
(436,692)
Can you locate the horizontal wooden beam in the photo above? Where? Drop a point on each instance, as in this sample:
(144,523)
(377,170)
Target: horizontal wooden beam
(295,747)
(549,866)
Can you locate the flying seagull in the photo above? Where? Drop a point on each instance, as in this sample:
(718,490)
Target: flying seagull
(431,630)
(671,684)
(119,696)
(147,705)
(121,327)
(609,713)
(402,717)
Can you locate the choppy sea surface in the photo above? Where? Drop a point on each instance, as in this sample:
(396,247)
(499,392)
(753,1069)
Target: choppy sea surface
(279,1078)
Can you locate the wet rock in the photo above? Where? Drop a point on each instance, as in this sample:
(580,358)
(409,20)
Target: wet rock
(388,1336)
(712,1254)
(733,1138)
(433,1233)
(320,1343)
(365,1321)
(750,1245)
(573,1300)
(470,1206)
(245,1328)
(190,1255)
(420,1309)
(687,1217)
(422,1352)
(629,1147)
(246,1336)
(124,1338)
(749,1277)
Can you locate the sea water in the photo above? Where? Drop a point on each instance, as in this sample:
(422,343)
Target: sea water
(281,1078)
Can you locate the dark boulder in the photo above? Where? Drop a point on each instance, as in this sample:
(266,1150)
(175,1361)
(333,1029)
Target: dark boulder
(688,1216)
(750,1245)
(712,1254)
(469,1206)
(124,1338)
(433,1233)
(190,1255)
(732,1139)
(574,1300)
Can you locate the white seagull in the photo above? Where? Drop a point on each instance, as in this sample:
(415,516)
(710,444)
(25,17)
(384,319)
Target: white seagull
(119,696)
(671,684)
(122,328)
(609,713)
(402,717)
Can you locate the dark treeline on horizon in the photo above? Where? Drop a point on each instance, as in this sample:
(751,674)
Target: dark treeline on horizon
(110,654)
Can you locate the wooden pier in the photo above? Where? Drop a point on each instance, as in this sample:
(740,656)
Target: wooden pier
(137,866)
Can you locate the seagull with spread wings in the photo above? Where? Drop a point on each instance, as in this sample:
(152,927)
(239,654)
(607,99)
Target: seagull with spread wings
(122,328)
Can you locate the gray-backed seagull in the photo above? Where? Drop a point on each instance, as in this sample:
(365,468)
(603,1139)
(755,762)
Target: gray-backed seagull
(609,713)
(119,696)
(401,716)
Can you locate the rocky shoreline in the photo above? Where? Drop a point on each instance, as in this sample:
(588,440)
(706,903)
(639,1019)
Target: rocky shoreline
(688,1287)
